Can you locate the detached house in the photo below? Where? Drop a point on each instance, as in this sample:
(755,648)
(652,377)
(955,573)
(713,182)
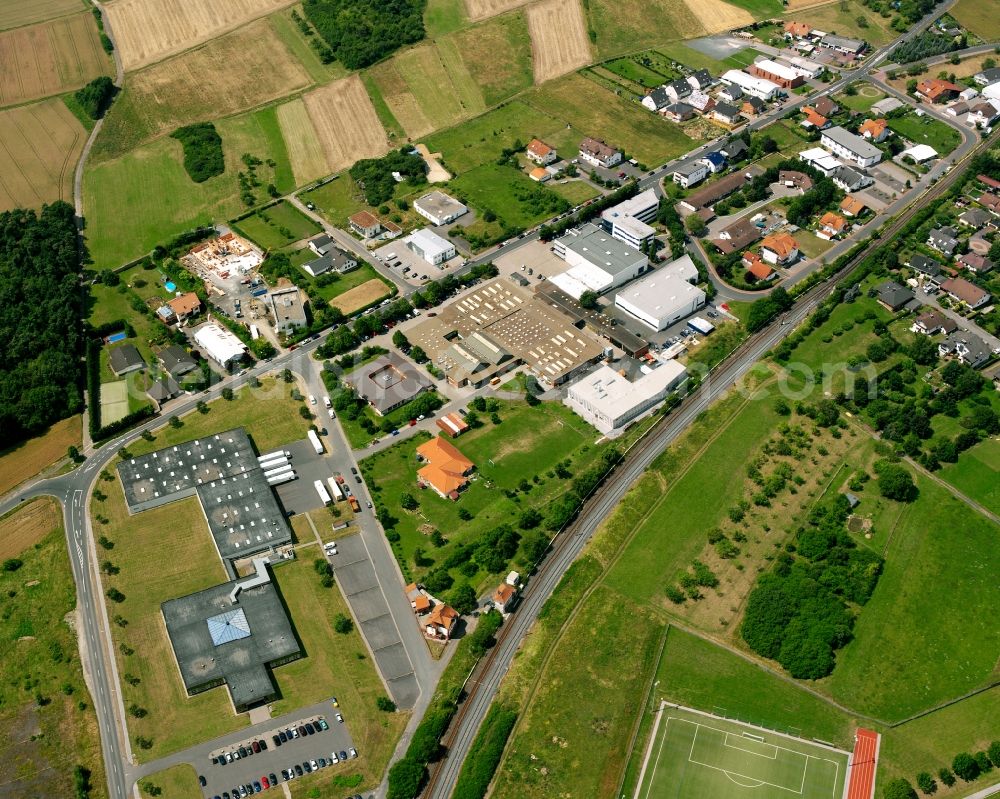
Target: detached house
(874,129)
(967,293)
(850,179)
(825,106)
(967,348)
(779,248)
(726,114)
(933,322)
(734,150)
(925,266)
(678,112)
(795,180)
(657,99)
(975,218)
(690,174)
(831,226)
(984,114)
(364,224)
(987,76)
(539,152)
(943,240)
(440,623)
(715,161)
(975,263)
(852,206)
(814,120)
(731,94)
(935,90)
(752,106)
(738,236)
(990,202)
(185,306)
(597,153)
(678,89)
(700,80)
(757,267)
(892,296)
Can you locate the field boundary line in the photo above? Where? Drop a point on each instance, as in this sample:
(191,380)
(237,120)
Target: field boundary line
(649,751)
(759,739)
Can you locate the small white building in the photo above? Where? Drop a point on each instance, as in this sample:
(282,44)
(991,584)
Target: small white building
(692,174)
(664,296)
(920,153)
(430,246)
(756,87)
(609,401)
(438,208)
(820,159)
(219,344)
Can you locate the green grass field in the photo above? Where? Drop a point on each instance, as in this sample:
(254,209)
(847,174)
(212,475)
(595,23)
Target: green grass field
(500,188)
(924,130)
(981,18)
(575,191)
(842,19)
(761,9)
(289,33)
(694,756)
(278,226)
(975,474)
(444,16)
(695,59)
(742,58)
(865,98)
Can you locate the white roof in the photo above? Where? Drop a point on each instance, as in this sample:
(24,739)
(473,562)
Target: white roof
(862,148)
(775,68)
(429,242)
(659,295)
(582,278)
(220,344)
(683,268)
(613,396)
(921,152)
(743,80)
(821,158)
(993,90)
(635,227)
(633,206)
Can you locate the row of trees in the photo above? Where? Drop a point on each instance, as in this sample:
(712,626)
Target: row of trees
(926,45)
(969,767)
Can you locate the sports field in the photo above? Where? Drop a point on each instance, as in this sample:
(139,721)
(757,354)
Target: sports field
(693,755)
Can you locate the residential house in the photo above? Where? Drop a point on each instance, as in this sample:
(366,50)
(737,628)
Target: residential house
(440,623)
(757,267)
(944,240)
(539,174)
(725,113)
(539,152)
(163,389)
(850,179)
(813,120)
(334,259)
(966,347)
(288,309)
(125,359)
(731,94)
(892,296)
(504,598)
(734,149)
(831,226)
(958,109)
(851,206)
(874,129)
(713,192)
(821,160)
(844,144)
(795,180)
(185,306)
(677,90)
(797,30)
(738,236)
(935,90)
(984,114)
(176,360)
(700,102)
(657,99)
(715,161)
(597,153)
(419,601)
(987,76)
(990,202)
(678,112)
(166,314)
(447,470)
(825,106)
(690,174)
(752,106)
(961,290)
(779,248)
(784,76)
(925,266)
(843,45)
(365,224)
(932,322)
(988,182)
(975,263)
(322,244)
(975,218)
(700,80)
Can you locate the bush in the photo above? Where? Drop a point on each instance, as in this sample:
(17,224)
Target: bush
(96,96)
(374,175)
(12,564)
(407,778)
(342,624)
(926,783)
(895,482)
(203,156)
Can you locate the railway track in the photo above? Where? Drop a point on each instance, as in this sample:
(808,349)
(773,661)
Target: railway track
(482,684)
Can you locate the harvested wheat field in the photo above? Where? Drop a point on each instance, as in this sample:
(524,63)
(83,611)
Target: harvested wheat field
(360,296)
(481,9)
(28,525)
(559,42)
(229,76)
(39,145)
(718,16)
(793,5)
(305,153)
(401,101)
(50,58)
(14,13)
(346,123)
(29,458)
(148,30)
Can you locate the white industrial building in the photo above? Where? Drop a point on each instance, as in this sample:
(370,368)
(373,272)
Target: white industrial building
(632,231)
(756,87)
(597,261)
(219,344)
(664,296)
(805,67)
(850,147)
(438,208)
(430,246)
(628,219)
(609,401)
(820,159)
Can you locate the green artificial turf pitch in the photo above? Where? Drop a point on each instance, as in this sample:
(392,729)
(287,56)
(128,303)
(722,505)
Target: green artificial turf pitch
(695,756)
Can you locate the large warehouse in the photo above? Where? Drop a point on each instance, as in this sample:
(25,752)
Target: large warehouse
(664,296)
(609,401)
(597,261)
(219,345)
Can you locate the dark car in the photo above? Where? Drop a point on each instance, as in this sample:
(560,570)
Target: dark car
(243,751)
(353,470)
(358,478)
(310,729)
(256,786)
(282,736)
(255,745)
(263,745)
(343,754)
(273,779)
(225,795)
(298,770)
(202,781)
(276,740)
(302,731)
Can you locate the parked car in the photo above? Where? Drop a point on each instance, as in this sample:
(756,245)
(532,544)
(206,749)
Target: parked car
(333,758)
(339,717)
(265,783)
(343,755)
(202,781)
(352,752)
(263,745)
(334,702)
(309,728)
(255,745)
(314,764)
(322,724)
(276,740)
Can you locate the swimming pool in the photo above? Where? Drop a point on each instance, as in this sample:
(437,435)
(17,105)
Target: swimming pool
(115,337)
(170,286)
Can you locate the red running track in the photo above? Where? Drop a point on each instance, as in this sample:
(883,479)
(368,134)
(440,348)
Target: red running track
(861,784)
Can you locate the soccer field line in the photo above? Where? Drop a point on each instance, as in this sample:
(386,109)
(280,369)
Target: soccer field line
(730,774)
(758,739)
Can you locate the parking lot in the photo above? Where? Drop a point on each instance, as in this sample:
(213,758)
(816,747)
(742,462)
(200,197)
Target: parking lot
(299,496)
(300,750)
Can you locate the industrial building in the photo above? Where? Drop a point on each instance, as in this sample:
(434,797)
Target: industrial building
(783,75)
(219,344)
(430,246)
(755,87)
(609,401)
(498,326)
(388,382)
(288,309)
(628,221)
(853,148)
(664,296)
(438,208)
(597,261)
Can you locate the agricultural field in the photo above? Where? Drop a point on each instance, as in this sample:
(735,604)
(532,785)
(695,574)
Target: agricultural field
(925,130)
(624,26)
(29,457)
(16,13)
(277,226)
(761,9)
(496,78)
(349,300)
(305,152)
(559,42)
(50,58)
(230,78)
(289,33)
(975,474)
(444,16)
(717,16)
(145,197)
(982,19)
(41,145)
(345,122)
(44,703)
(592,111)
(481,9)
(149,30)
(842,19)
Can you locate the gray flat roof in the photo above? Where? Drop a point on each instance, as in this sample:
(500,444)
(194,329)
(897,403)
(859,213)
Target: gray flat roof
(388,381)
(599,247)
(860,147)
(440,204)
(211,651)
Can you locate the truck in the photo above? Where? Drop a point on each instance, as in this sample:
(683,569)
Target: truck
(282,477)
(355,505)
(314,440)
(272,457)
(270,471)
(338,495)
(254,332)
(321,490)
(259,292)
